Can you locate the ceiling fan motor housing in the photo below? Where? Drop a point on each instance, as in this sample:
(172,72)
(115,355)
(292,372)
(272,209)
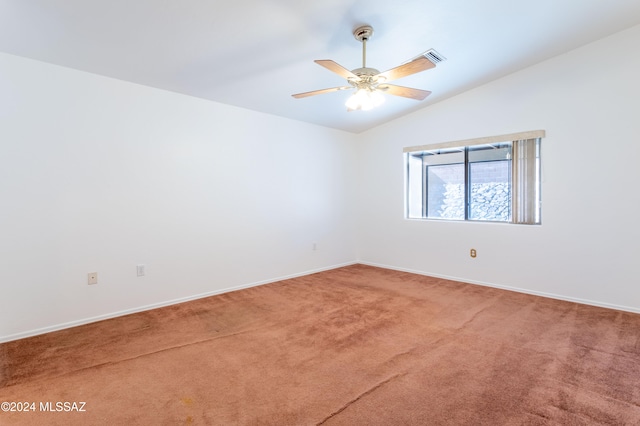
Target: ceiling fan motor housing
(365,72)
(368,78)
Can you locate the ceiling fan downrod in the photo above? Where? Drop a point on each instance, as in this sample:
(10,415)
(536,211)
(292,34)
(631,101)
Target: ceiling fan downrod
(364,53)
(363,34)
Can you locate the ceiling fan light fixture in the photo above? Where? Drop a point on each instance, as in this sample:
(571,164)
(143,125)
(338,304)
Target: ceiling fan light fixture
(365,100)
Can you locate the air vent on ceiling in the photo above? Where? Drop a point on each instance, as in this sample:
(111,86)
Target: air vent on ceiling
(431,55)
(434,56)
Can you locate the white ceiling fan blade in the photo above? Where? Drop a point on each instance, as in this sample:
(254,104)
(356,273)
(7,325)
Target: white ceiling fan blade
(336,68)
(320,92)
(405,92)
(413,67)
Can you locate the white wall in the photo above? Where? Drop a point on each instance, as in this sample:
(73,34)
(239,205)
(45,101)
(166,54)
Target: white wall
(588,101)
(99,175)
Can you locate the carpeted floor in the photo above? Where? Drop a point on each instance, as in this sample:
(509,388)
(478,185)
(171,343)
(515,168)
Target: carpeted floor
(352,346)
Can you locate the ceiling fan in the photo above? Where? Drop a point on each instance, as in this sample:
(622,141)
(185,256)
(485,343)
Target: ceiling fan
(369,83)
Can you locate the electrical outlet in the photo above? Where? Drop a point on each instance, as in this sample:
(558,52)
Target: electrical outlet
(140,270)
(92,278)
(473,253)
(314,246)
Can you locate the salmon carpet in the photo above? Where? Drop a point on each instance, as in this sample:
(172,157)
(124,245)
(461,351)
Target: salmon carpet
(357,345)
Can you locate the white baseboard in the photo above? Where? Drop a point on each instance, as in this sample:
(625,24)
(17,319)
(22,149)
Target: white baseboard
(70,324)
(516,289)
(83,321)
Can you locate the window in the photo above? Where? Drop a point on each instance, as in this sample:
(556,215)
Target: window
(494,179)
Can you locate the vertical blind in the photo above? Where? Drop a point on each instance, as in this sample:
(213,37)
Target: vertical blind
(524,181)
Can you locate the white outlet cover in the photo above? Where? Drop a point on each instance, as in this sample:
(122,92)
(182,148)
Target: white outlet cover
(92,278)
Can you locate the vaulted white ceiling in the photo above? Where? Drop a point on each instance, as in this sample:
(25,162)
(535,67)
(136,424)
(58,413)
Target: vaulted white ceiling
(256,53)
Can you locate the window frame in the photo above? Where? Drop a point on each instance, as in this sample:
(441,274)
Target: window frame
(532,184)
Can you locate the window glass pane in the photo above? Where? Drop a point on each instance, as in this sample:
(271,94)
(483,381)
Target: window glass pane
(496,151)
(444,156)
(444,183)
(414,186)
(445,191)
(490,184)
